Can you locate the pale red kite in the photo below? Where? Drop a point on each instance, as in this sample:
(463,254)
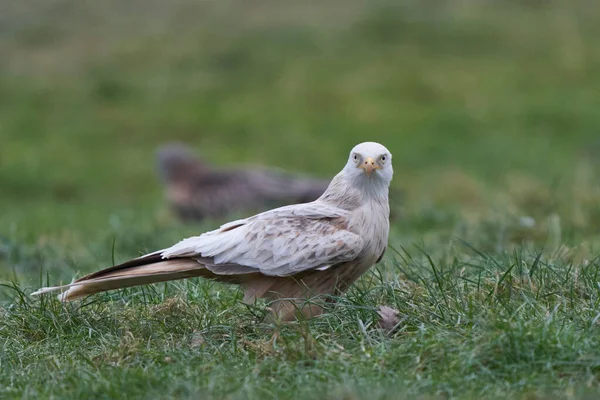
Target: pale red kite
(288,254)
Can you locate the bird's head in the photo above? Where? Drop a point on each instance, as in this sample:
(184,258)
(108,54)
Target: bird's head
(176,162)
(370,162)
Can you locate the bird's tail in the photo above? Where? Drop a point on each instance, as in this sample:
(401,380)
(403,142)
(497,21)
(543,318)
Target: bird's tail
(140,271)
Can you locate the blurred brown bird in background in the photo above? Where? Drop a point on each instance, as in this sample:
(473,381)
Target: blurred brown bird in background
(196,190)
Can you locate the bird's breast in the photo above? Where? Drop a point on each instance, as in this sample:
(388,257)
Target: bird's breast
(373,225)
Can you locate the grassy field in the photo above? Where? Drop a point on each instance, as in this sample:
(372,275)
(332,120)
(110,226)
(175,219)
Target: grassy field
(489,107)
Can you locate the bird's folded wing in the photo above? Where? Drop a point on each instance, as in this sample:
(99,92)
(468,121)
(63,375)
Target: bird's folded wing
(279,242)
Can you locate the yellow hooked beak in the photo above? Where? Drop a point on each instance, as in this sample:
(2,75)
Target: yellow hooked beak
(369,165)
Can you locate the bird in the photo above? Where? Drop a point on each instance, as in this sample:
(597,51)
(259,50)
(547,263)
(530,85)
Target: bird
(288,255)
(195,190)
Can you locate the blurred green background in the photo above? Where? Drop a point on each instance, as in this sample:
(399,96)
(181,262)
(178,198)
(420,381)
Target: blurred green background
(489,107)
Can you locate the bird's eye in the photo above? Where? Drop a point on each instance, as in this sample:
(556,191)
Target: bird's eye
(383,158)
(355,157)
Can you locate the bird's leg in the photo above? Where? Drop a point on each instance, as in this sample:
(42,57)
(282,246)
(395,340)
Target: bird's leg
(303,308)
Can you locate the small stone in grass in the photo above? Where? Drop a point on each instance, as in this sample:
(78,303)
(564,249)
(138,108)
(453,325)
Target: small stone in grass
(388,318)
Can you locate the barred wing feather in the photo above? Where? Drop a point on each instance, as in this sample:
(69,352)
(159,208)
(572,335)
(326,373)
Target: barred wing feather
(280,242)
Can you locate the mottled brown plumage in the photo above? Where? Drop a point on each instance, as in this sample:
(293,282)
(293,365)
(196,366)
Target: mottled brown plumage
(195,190)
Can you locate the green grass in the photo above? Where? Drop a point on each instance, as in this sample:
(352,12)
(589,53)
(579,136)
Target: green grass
(489,107)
